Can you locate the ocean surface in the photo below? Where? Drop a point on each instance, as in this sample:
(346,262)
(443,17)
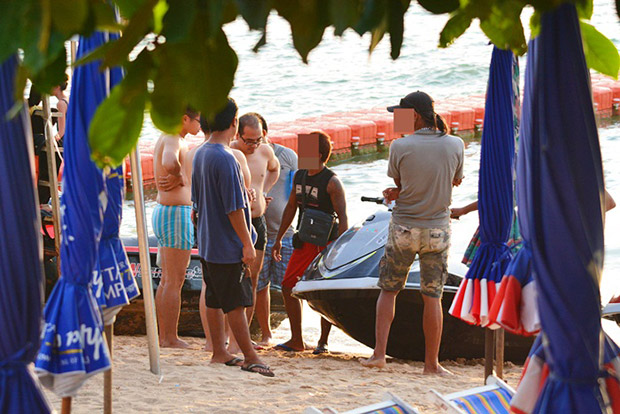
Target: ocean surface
(342,76)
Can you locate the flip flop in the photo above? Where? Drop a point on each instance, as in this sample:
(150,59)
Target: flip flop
(234,362)
(320,349)
(286,348)
(259,369)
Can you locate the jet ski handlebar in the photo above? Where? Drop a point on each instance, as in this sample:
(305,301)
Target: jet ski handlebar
(376,200)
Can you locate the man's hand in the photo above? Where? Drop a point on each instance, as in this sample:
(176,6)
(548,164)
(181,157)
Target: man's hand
(457,181)
(267,201)
(252,194)
(456,213)
(391,193)
(275,250)
(194,217)
(169,182)
(249,254)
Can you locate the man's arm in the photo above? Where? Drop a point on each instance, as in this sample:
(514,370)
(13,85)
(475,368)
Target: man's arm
(172,165)
(288,215)
(609,201)
(273,170)
(237,220)
(339,201)
(245,170)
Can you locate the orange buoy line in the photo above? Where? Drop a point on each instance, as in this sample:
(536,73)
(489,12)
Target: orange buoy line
(366,128)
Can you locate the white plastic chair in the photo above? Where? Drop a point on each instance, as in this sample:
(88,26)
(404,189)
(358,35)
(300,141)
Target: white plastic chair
(391,404)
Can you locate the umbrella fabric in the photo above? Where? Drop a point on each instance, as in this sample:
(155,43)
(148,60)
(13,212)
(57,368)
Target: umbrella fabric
(536,371)
(564,192)
(20,258)
(514,307)
(495,198)
(73,346)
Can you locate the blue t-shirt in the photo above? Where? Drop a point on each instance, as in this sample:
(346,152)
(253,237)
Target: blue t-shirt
(217,190)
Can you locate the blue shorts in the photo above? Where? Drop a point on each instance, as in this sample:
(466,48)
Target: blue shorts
(272,271)
(173,226)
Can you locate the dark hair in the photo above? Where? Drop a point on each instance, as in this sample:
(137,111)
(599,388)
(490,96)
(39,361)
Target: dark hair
(34,98)
(191,112)
(252,120)
(325,146)
(222,120)
(434,120)
(65,83)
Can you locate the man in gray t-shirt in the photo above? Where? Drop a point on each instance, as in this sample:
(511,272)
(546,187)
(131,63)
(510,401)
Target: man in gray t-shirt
(425,166)
(272,271)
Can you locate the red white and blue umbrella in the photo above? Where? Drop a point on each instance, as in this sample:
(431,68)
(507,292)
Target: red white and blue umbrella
(495,197)
(73,346)
(21,272)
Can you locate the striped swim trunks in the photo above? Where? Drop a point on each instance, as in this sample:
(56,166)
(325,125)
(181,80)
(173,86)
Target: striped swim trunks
(173,226)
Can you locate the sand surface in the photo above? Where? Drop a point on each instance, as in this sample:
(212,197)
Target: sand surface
(191,385)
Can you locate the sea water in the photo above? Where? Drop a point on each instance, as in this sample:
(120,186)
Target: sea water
(342,76)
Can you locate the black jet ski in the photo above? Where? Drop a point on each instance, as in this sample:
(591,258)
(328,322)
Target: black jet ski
(341,284)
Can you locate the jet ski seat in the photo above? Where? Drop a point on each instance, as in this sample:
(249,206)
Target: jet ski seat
(391,405)
(493,398)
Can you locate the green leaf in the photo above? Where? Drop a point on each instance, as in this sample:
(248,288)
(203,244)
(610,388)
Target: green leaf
(128,8)
(440,7)
(372,16)
(585,8)
(11,18)
(52,74)
(535,24)
(116,126)
(396,25)
(376,35)
(455,27)
(618,8)
(69,16)
(503,26)
(308,20)
(139,26)
(343,14)
(178,20)
(261,42)
(601,53)
(159,11)
(168,100)
(254,12)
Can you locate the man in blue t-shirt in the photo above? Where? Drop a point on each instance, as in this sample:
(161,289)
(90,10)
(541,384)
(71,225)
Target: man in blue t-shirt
(225,239)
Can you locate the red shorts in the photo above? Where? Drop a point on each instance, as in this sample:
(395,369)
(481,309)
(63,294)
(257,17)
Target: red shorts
(299,262)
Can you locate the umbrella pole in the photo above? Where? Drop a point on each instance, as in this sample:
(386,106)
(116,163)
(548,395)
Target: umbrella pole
(499,353)
(51,168)
(66,406)
(489,345)
(107,375)
(145,262)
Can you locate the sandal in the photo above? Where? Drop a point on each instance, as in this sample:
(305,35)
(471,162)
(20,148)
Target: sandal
(259,369)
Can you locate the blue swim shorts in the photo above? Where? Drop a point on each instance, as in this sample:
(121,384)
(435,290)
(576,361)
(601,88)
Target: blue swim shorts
(272,271)
(173,226)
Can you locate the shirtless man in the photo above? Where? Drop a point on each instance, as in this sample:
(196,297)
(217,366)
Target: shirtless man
(172,225)
(265,170)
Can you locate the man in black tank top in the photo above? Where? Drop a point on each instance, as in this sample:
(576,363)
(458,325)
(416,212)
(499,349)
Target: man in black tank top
(324,191)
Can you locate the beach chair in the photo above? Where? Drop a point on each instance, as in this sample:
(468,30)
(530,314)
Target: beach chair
(391,404)
(493,398)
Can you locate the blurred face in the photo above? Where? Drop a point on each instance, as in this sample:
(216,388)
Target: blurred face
(191,125)
(250,139)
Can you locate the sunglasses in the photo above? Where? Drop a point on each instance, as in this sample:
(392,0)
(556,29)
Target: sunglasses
(255,142)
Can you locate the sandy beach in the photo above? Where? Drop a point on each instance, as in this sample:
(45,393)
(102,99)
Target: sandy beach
(191,385)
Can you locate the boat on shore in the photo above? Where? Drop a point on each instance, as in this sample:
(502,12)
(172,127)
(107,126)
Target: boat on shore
(341,284)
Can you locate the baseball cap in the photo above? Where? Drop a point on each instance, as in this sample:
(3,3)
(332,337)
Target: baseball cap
(417,100)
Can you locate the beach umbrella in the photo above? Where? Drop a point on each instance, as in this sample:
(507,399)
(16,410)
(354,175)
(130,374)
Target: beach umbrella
(21,272)
(564,188)
(495,198)
(73,347)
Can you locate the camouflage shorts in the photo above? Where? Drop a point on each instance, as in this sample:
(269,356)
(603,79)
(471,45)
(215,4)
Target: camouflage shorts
(400,251)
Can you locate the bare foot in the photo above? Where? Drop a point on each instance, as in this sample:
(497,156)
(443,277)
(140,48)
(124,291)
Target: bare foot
(439,370)
(291,346)
(373,362)
(208,347)
(177,343)
(226,359)
(265,342)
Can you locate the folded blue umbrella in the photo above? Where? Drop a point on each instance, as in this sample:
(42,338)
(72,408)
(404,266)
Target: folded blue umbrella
(73,347)
(563,192)
(475,296)
(20,257)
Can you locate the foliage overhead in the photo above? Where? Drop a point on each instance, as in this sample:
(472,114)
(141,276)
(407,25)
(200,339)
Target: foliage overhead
(180,55)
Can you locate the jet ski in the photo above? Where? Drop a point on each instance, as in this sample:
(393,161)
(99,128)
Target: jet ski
(341,284)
